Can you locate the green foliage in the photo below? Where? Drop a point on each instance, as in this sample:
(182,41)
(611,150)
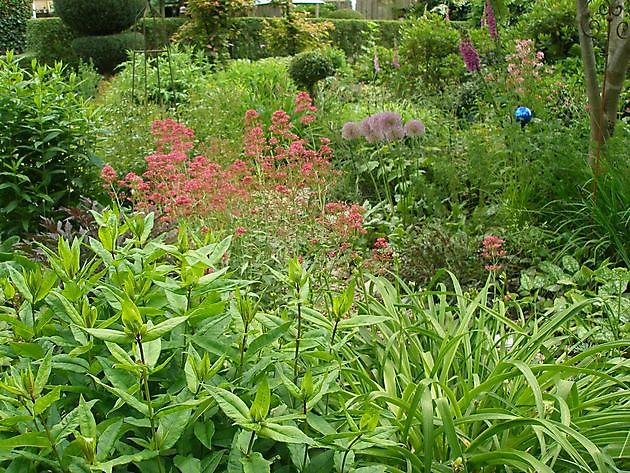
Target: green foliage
(429,54)
(14,15)
(109,51)
(551,23)
(294,33)
(210,23)
(344,14)
(309,67)
(247,37)
(49,40)
(139,352)
(99,17)
(47,137)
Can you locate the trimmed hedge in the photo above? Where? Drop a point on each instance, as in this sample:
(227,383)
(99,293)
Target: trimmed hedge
(49,39)
(247,42)
(99,17)
(13,17)
(107,51)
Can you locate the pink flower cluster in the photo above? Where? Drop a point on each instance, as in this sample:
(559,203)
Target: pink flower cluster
(344,219)
(469,55)
(492,251)
(177,184)
(525,64)
(383,126)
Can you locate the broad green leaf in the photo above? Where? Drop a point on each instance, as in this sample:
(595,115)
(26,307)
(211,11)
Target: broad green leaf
(43,373)
(260,406)
(171,427)
(266,339)
(19,282)
(163,328)
(231,405)
(126,397)
(31,439)
(187,464)
(204,430)
(107,440)
(284,433)
(107,467)
(255,463)
(28,350)
(44,402)
(109,335)
(87,424)
(321,463)
(119,353)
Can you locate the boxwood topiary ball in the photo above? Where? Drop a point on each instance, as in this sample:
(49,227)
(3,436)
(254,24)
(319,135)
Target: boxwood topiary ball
(309,67)
(99,17)
(109,51)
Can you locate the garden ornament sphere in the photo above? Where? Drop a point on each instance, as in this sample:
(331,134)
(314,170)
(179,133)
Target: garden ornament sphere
(523,115)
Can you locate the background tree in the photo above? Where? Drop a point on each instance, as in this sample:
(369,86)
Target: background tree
(607,16)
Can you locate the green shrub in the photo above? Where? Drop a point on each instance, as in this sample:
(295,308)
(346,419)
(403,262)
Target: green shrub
(429,54)
(349,35)
(107,52)
(99,17)
(296,34)
(47,134)
(551,23)
(344,14)
(309,67)
(49,40)
(159,31)
(13,17)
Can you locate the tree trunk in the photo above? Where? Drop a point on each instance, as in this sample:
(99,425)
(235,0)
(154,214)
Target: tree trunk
(603,104)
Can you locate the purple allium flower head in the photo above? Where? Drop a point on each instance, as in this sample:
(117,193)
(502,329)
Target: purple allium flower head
(365,127)
(377,67)
(351,131)
(396,133)
(414,128)
(395,61)
(492,21)
(470,55)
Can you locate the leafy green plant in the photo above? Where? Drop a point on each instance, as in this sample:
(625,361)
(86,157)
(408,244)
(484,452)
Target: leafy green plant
(47,139)
(102,17)
(13,17)
(309,67)
(429,54)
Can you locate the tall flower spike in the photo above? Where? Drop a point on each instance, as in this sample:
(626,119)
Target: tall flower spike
(377,67)
(470,55)
(492,21)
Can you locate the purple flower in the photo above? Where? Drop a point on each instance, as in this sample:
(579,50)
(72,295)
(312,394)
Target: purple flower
(351,131)
(377,67)
(414,128)
(492,21)
(395,61)
(396,133)
(470,55)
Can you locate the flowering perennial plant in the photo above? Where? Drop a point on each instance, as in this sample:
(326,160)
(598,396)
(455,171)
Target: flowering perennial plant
(383,126)
(524,66)
(489,19)
(470,55)
(492,252)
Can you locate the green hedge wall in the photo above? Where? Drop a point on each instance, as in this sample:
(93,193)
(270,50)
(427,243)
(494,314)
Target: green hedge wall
(347,35)
(13,17)
(49,39)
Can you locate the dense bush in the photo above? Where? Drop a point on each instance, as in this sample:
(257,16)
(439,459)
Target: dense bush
(429,54)
(295,34)
(108,51)
(309,67)
(344,14)
(551,24)
(348,35)
(49,40)
(13,17)
(209,24)
(99,17)
(47,135)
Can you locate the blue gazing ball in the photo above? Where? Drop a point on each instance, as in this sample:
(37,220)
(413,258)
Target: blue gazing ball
(523,115)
